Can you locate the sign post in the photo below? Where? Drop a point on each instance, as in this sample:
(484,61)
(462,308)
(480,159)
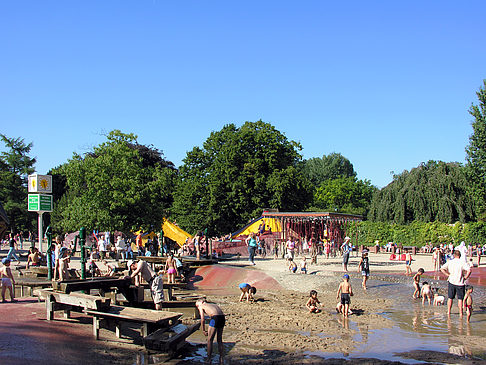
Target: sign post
(40,202)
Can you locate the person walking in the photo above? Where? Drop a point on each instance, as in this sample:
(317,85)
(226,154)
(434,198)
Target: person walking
(252,243)
(12,253)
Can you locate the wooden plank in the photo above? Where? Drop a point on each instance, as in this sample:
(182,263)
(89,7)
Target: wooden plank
(169,340)
(102,283)
(77,300)
(136,314)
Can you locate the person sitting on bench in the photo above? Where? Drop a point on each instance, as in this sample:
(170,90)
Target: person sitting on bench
(155,281)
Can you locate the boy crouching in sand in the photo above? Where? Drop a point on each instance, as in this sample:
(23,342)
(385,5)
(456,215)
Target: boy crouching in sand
(346,293)
(216,325)
(426,293)
(438,299)
(313,302)
(468,302)
(248,290)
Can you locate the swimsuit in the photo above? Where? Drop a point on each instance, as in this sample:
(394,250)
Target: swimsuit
(6,282)
(217,321)
(345,298)
(171,271)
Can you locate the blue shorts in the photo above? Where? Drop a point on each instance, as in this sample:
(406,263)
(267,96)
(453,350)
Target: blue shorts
(217,321)
(244,285)
(303,269)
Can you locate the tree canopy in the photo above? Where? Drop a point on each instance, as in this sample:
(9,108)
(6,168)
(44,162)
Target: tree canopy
(235,175)
(330,167)
(120,185)
(476,153)
(15,166)
(432,191)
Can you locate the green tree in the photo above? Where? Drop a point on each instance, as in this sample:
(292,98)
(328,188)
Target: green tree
(332,166)
(476,153)
(237,173)
(15,166)
(344,194)
(429,192)
(120,185)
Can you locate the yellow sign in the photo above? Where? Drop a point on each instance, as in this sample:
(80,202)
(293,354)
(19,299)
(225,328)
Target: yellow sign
(40,183)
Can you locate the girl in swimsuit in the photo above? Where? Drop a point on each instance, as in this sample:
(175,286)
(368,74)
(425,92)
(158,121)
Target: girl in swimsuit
(170,267)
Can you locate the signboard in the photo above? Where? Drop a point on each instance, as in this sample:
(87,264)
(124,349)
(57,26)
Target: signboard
(40,203)
(40,183)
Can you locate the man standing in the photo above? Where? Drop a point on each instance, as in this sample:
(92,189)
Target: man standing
(154,280)
(216,325)
(457,272)
(345,248)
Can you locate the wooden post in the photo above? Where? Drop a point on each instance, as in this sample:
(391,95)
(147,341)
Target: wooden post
(49,307)
(96,327)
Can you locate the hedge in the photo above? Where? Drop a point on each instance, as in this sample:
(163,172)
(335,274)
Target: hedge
(416,233)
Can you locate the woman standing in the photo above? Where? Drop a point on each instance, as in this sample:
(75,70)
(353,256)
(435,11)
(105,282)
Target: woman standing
(252,243)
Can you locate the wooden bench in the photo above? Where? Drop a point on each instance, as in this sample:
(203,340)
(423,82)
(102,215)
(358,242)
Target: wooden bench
(150,320)
(56,301)
(31,285)
(169,340)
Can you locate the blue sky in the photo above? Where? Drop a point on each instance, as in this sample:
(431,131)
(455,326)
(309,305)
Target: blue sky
(387,84)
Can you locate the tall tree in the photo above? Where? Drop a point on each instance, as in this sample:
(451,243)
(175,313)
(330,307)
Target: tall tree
(344,194)
(476,153)
(120,185)
(433,191)
(237,173)
(15,166)
(332,166)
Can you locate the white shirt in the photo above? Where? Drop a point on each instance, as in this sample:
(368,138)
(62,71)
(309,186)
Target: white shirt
(456,268)
(101,245)
(120,244)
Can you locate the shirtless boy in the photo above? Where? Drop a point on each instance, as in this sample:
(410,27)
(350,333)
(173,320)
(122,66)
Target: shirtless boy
(248,290)
(468,302)
(216,325)
(426,293)
(155,281)
(346,293)
(7,279)
(416,283)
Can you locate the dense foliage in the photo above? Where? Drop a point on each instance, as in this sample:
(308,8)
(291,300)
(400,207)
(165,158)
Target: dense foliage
(120,185)
(330,167)
(15,166)
(344,194)
(237,173)
(417,233)
(430,192)
(476,153)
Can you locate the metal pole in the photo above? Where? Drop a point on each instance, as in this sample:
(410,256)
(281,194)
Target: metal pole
(49,253)
(40,231)
(82,241)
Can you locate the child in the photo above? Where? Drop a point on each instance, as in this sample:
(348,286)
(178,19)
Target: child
(8,280)
(438,299)
(275,251)
(426,292)
(313,302)
(248,290)
(64,264)
(408,263)
(416,283)
(364,267)
(339,308)
(303,266)
(346,293)
(292,266)
(468,302)
(171,269)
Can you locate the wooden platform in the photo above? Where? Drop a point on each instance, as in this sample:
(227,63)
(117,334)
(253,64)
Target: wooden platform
(170,340)
(150,320)
(31,284)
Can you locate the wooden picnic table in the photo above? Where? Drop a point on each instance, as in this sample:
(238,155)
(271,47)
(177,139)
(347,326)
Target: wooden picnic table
(150,320)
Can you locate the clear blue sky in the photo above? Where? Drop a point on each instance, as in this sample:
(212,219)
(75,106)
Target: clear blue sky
(387,84)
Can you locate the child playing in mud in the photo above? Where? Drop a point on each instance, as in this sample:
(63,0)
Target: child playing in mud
(292,266)
(248,290)
(416,283)
(346,293)
(216,325)
(438,299)
(303,266)
(408,263)
(364,267)
(468,302)
(426,293)
(313,302)
(8,280)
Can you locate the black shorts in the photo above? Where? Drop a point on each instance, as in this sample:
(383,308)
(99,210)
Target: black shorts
(452,290)
(345,298)
(346,258)
(217,321)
